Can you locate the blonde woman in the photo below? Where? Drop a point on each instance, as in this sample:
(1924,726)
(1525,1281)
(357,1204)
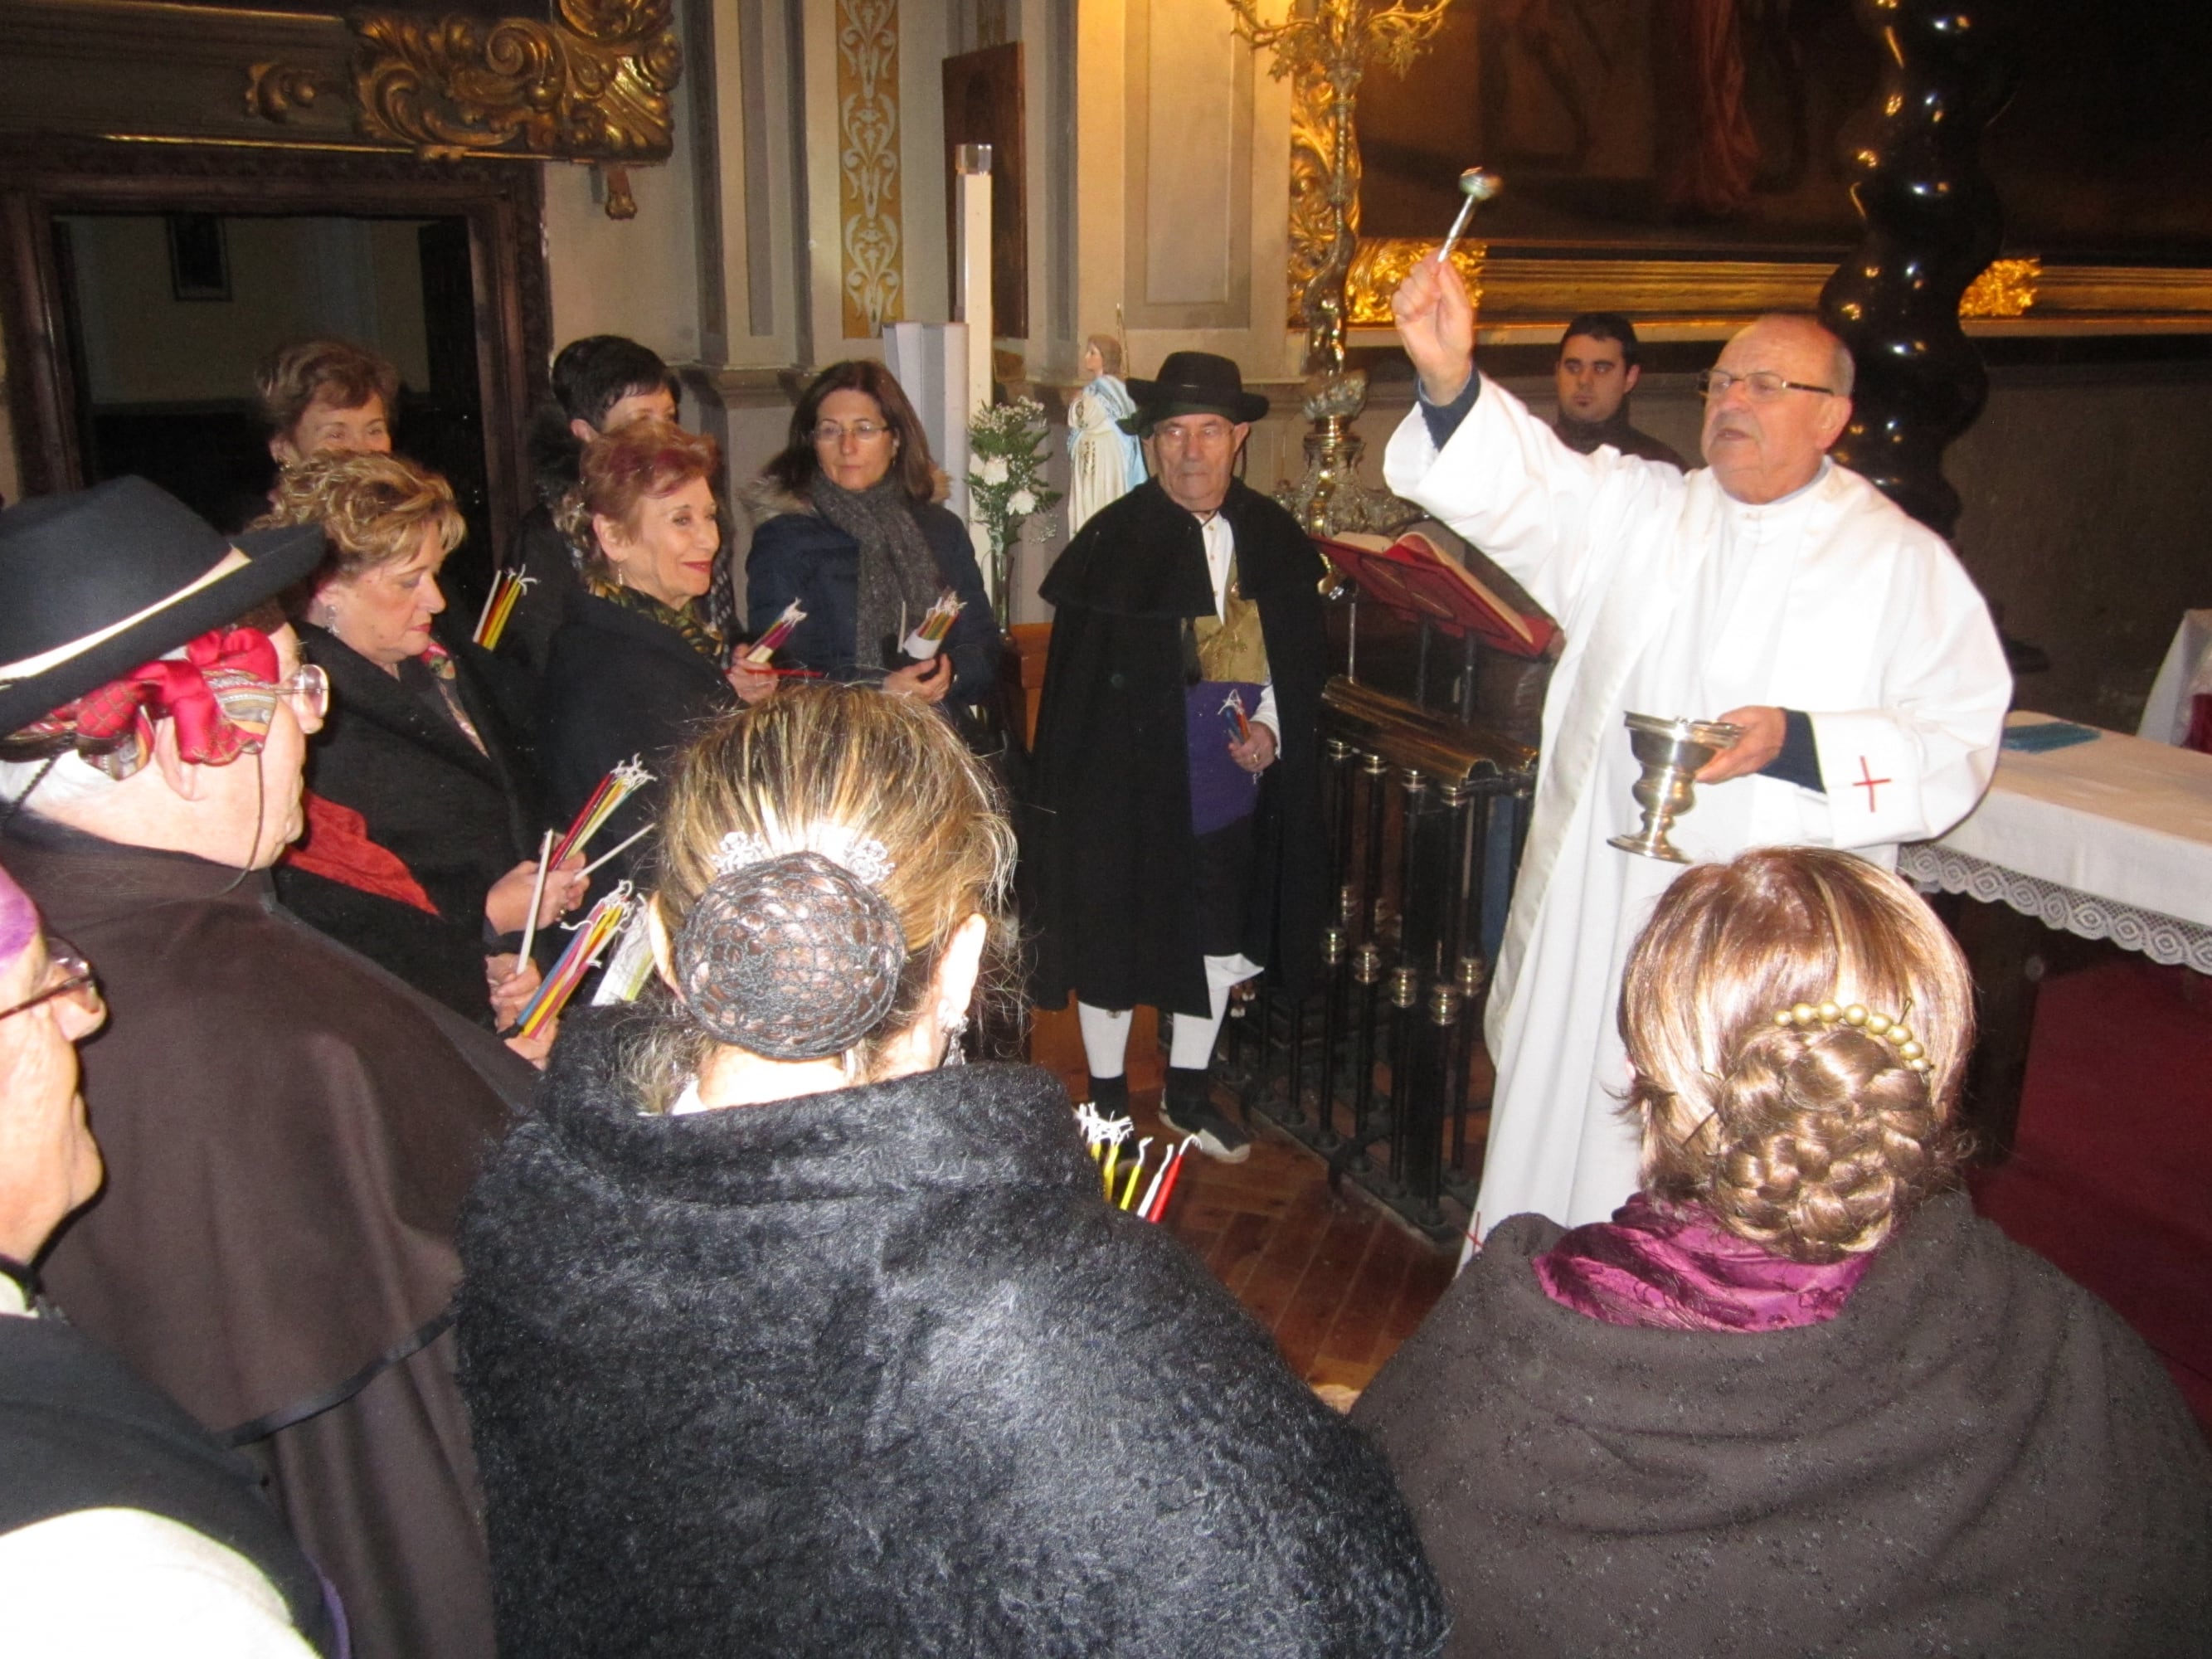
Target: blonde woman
(423,813)
(810,1340)
(1795,1396)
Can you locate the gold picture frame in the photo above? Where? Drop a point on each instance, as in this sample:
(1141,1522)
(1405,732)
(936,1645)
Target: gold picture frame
(590,82)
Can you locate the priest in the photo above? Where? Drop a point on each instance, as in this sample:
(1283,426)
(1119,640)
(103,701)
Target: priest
(1772,589)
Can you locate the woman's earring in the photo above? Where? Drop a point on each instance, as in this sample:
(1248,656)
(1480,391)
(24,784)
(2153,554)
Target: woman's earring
(955,1040)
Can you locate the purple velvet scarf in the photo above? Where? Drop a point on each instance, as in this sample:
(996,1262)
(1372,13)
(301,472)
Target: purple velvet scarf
(1676,1269)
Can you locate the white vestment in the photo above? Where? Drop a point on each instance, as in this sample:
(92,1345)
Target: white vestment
(1105,462)
(1677,599)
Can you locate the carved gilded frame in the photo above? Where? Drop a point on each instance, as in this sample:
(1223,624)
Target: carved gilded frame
(1521,298)
(590,83)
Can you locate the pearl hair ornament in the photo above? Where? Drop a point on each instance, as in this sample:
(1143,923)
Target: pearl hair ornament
(1859,1017)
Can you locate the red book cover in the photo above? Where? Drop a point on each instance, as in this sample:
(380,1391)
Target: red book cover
(1416,575)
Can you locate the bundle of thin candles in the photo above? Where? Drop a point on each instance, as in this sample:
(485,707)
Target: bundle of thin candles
(776,634)
(618,787)
(1233,706)
(590,938)
(499,606)
(1105,1137)
(936,622)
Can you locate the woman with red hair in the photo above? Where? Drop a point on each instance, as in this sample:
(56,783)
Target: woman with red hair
(637,665)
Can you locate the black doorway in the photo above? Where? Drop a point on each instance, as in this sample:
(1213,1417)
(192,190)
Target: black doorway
(168,315)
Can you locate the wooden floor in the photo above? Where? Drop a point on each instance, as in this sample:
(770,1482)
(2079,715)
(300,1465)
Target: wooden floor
(1338,1280)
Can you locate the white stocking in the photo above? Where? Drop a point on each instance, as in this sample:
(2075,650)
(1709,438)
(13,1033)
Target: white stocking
(1105,1038)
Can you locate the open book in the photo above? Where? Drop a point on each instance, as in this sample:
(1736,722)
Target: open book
(1416,575)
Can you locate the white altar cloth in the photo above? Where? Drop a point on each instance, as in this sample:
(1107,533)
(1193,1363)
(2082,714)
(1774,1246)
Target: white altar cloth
(2111,839)
(2186,670)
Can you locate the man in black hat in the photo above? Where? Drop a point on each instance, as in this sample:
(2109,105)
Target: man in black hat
(1174,839)
(289,1130)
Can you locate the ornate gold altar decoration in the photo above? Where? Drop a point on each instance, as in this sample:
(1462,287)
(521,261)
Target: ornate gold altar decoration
(2005,288)
(1325,47)
(874,282)
(592,85)
(1384,262)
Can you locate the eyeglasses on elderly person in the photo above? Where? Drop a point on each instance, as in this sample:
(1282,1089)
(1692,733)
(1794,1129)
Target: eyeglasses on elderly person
(68,975)
(1761,385)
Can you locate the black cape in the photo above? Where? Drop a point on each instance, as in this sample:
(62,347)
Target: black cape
(289,1131)
(1976,1456)
(1107,848)
(879,1372)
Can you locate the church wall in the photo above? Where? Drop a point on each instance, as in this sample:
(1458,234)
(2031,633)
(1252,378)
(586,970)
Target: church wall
(1158,183)
(2088,494)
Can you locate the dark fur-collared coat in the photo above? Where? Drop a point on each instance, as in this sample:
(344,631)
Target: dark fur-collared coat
(1976,1456)
(1107,851)
(878,1371)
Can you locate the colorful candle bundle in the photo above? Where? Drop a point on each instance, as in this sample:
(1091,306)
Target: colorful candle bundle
(591,937)
(498,606)
(618,787)
(777,632)
(1233,706)
(936,623)
(1105,1137)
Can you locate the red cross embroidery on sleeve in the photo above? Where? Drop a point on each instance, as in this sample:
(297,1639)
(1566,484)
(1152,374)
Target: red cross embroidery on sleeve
(1868,782)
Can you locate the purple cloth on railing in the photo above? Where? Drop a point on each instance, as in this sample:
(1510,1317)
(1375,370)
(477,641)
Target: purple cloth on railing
(1221,790)
(1670,1267)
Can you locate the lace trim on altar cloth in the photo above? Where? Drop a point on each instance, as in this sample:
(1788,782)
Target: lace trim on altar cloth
(2165,940)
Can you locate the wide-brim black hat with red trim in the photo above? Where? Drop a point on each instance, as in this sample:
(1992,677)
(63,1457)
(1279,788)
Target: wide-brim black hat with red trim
(1192,382)
(95,582)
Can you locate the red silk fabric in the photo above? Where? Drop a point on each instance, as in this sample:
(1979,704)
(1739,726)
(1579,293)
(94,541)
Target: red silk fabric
(181,691)
(336,846)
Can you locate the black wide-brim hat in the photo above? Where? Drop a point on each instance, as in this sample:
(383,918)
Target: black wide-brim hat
(1192,382)
(95,582)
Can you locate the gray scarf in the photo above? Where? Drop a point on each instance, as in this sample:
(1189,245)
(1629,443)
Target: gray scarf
(896,565)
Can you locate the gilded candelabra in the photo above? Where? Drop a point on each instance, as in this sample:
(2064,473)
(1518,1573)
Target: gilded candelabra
(1326,45)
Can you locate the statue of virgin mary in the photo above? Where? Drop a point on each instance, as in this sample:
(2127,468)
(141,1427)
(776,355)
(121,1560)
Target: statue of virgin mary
(1105,462)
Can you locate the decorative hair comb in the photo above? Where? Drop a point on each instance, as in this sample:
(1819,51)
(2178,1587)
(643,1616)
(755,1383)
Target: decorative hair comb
(864,855)
(1860,1017)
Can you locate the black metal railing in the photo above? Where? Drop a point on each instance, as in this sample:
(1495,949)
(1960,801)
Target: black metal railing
(1371,1071)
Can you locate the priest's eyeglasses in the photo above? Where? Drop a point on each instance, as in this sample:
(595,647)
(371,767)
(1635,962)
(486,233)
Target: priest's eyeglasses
(69,975)
(1761,385)
(866,432)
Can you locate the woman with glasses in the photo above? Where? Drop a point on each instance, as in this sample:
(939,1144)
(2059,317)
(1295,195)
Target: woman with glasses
(847,523)
(422,809)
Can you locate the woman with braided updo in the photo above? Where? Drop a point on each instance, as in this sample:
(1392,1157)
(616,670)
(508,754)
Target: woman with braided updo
(783,1332)
(1795,1396)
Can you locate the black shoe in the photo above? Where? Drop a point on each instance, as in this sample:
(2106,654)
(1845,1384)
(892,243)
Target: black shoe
(1109,1096)
(1187,1111)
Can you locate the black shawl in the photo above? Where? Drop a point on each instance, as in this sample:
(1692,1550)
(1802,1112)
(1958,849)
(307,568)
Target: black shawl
(620,684)
(1107,843)
(878,1371)
(1976,1456)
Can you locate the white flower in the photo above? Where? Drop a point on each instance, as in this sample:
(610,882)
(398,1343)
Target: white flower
(993,470)
(1021,504)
